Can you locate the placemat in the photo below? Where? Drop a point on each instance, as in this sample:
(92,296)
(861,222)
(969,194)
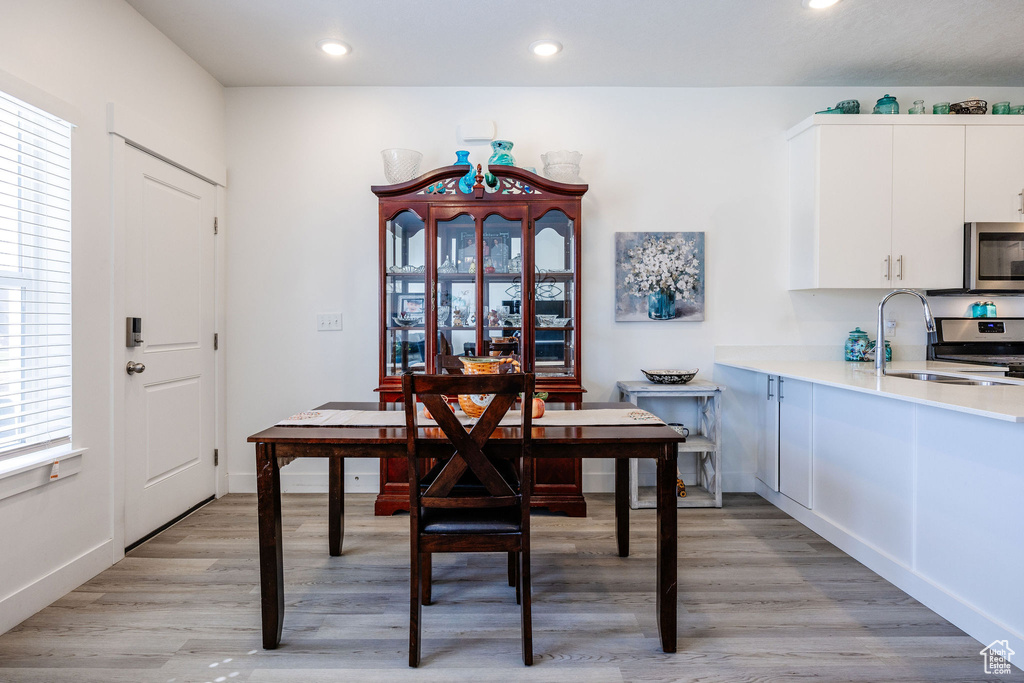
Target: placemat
(395,418)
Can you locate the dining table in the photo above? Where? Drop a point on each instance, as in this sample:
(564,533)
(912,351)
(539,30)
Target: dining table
(554,437)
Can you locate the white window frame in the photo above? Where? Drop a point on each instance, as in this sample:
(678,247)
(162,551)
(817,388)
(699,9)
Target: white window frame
(35,286)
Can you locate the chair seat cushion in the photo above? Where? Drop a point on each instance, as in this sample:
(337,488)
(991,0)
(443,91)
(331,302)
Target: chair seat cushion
(503,520)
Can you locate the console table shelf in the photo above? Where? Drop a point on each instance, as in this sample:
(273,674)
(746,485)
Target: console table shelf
(704,440)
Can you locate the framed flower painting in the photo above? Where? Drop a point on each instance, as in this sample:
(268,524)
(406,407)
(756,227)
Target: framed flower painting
(659,276)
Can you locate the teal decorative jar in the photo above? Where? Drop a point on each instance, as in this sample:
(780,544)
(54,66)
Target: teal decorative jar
(979,309)
(869,353)
(886,105)
(661,305)
(501,154)
(856,345)
(467,181)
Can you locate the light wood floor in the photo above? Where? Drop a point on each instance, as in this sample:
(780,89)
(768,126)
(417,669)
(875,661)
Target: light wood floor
(761,598)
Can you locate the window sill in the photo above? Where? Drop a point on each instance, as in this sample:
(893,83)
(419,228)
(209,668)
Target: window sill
(32,470)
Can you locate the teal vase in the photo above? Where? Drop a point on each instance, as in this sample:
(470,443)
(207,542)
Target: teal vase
(467,181)
(661,305)
(501,154)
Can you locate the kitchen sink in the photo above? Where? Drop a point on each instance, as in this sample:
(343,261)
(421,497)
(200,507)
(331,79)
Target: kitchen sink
(943,378)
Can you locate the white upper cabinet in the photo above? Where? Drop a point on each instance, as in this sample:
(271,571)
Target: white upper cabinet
(841,206)
(878,202)
(995,174)
(927,207)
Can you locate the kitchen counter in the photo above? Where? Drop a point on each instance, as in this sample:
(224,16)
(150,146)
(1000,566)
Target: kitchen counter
(917,480)
(996,402)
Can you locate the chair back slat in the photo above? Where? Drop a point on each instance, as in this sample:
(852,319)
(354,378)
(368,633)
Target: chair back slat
(468,453)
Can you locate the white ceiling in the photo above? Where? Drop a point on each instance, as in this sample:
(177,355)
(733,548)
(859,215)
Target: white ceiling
(607,42)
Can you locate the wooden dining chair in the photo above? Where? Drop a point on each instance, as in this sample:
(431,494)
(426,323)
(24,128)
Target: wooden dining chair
(489,514)
(451,365)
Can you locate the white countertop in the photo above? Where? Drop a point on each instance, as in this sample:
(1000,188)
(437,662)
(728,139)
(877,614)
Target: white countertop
(997,402)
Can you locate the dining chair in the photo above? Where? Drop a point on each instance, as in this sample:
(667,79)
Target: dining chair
(452,365)
(468,502)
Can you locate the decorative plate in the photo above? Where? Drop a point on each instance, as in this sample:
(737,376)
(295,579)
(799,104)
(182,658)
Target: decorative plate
(669,376)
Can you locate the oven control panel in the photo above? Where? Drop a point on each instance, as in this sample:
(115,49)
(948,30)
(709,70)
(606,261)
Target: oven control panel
(1000,330)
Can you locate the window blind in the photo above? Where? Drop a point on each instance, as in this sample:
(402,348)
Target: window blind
(35,278)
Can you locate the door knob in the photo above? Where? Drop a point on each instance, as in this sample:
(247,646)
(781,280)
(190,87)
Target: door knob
(133,368)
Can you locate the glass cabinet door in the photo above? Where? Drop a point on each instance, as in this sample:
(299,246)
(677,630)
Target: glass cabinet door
(456,286)
(479,291)
(554,296)
(502,254)
(405,300)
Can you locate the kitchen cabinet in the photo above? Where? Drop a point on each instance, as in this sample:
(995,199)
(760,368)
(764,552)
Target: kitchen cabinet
(795,445)
(927,248)
(876,206)
(495,270)
(768,433)
(784,450)
(994,174)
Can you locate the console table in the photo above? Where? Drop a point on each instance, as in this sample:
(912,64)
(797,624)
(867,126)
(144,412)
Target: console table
(705,439)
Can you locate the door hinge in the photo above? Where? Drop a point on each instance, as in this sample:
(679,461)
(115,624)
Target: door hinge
(214,225)
(216,341)
(216,457)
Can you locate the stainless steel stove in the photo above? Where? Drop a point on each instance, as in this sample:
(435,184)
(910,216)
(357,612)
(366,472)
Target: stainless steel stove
(985,341)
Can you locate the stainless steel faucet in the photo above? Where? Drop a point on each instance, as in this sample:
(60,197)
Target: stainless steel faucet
(929,323)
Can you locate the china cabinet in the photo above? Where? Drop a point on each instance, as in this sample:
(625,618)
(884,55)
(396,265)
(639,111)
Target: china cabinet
(466,273)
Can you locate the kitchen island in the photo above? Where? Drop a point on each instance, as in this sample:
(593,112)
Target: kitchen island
(922,482)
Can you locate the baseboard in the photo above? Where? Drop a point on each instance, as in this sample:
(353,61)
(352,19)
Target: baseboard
(961,614)
(23,603)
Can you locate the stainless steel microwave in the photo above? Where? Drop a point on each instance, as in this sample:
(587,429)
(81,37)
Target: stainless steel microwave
(994,257)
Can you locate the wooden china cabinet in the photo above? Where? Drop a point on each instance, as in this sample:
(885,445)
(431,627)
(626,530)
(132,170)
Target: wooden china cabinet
(459,271)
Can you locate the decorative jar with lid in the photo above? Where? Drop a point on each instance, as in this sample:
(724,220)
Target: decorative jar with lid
(856,345)
(886,105)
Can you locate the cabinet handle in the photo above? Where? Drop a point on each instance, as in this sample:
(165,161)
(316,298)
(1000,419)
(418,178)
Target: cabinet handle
(886,271)
(770,395)
(899,267)
(780,389)
(1021,195)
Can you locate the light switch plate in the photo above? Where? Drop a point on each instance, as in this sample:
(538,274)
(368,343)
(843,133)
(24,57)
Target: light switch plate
(328,322)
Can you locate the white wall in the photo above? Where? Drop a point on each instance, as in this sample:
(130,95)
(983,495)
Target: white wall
(304,232)
(82,54)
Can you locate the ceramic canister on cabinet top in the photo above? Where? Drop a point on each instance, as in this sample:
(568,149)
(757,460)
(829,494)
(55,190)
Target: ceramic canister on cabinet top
(856,345)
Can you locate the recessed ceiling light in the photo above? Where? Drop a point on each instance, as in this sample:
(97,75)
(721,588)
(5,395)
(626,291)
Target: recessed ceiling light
(334,47)
(818,4)
(545,48)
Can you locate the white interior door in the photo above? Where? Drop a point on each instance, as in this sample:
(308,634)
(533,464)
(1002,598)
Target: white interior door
(170,405)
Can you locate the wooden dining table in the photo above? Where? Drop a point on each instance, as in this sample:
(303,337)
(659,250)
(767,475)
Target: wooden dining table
(618,442)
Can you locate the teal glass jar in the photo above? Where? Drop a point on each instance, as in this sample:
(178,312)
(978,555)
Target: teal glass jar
(886,105)
(869,353)
(1001,108)
(501,154)
(978,309)
(856,345)
(661,305)
(990,309)
(940,108)
(918,107)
